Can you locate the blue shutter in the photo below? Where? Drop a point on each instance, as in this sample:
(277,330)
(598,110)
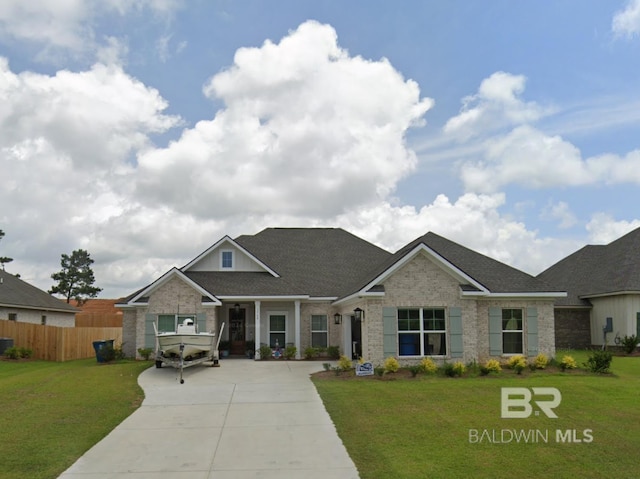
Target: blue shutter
(532,331)
(149,331)
(389,331)
(201,321)
(495,331)
(455,332)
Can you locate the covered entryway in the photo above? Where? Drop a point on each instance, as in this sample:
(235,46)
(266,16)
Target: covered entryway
(237,330)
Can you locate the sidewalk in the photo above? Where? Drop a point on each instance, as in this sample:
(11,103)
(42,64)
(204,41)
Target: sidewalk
(245,419)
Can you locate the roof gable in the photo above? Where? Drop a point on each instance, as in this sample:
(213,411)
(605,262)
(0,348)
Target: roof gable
(596,270)
(243,260)
(17,293)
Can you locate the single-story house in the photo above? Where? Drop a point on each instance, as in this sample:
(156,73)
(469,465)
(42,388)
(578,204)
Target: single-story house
(20,301)
(319,287)
(603,286)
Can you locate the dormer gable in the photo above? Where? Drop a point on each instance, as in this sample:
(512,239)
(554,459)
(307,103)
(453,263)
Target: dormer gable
(227,255)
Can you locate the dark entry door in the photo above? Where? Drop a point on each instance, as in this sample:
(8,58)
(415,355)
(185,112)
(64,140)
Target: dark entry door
(237,331)
(356,338)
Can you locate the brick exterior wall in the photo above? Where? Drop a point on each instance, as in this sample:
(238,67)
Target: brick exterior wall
(573,328)
(424,283)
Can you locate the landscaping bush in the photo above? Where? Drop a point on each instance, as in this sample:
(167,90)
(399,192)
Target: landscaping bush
(310,353)
(629,343)
(13,353)
(391,365)
(414,370)
(599,361)
(145,353)
(344,363)
(290,352)
(491,366)
(459,368)
(265,353)
(568,363)
(333,352)
(517,363)
(428,366)
(541,361)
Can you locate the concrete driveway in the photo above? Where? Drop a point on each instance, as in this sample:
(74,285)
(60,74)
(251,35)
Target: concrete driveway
(245,419)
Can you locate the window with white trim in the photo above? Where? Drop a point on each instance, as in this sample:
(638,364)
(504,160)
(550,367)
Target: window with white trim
(512,332)
(13,316)
(277,330)
(226,260)
(168,323)
(422,332)
(319,331)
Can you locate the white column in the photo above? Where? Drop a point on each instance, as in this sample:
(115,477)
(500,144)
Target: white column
(297,328)
(257,329)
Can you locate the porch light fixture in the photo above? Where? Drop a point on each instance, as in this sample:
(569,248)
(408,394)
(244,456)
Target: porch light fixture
(358,314)
(337,318)
(236,308)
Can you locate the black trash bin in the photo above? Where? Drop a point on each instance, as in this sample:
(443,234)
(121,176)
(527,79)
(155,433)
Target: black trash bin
(101,347)
(5,343)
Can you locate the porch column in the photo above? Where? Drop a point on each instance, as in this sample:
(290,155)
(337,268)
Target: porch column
(297,328)
(257,329)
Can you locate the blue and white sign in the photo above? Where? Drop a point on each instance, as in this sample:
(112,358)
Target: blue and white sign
(364,369)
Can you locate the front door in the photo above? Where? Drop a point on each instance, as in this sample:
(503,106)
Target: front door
(356,338)
(237,331)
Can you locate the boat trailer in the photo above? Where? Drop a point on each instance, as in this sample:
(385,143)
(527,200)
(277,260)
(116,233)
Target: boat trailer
(178,361)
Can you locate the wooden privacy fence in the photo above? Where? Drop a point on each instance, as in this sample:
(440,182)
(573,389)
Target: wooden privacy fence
(98,320)
(54,343)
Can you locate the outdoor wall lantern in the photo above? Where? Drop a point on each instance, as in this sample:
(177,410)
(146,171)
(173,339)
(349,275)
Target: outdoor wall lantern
(358,314)
(337,318)
(236,308)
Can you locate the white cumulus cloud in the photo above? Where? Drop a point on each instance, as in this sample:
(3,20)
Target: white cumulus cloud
(626,22)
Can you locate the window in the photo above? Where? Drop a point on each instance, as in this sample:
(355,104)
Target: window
(43,319)
(168,323)
(319,331)
(277,330)
(226,260)
(422,332)
(13,316)
(512,331)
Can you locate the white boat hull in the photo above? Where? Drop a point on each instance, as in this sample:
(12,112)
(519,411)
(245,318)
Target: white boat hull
(194,344)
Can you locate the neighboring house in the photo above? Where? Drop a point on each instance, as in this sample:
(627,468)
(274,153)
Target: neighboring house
(20,301)
(98,313)
(326,287)
(602,281)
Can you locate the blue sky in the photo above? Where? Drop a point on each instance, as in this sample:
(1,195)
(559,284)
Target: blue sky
(143,131)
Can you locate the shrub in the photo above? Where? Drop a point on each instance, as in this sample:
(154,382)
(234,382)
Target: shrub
(265,352)
(414,369)
(13,352)
(493,366)
(379,371)
(326,366)
(310,353)
(290,352)
(344,363)
(629,343)
(428,366)
(513,360)
(145,353)
(26,353)
(391,365)
(333,352)
(599,361)
(459,368)
(541,361)
(567,363)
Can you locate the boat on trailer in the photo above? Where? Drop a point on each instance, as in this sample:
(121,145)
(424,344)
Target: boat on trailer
(186,347)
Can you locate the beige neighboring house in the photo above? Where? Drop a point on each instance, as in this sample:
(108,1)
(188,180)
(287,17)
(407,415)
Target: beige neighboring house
(326,287)
(20,301)
(603,286)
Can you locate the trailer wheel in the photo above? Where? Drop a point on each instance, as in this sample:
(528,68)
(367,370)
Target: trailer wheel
(158,364)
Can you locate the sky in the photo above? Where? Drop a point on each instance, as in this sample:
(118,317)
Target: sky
(143,131)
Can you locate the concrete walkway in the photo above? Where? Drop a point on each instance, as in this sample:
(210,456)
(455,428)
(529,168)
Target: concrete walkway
(245,419)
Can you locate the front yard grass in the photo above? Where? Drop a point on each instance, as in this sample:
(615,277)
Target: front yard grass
(51,413)
(421,427)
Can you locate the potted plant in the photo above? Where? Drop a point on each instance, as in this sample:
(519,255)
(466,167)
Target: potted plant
(224,348)
(250,349)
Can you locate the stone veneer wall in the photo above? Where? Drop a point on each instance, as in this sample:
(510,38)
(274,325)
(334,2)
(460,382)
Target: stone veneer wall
(172,297)
(573,328)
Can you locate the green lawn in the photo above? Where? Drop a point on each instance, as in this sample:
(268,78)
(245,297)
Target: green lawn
(51,413)
(414,428)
